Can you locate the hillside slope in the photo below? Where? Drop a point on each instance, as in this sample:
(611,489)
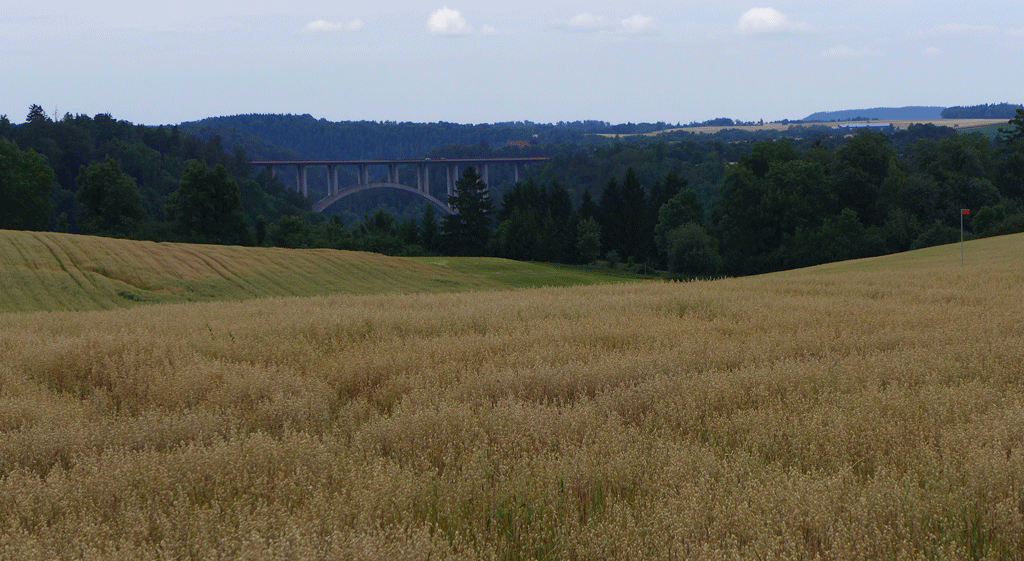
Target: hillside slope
(885,113)
(267,136)
(871,409)
(45,271)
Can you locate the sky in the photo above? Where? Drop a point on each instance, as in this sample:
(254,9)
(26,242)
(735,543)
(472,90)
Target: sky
(471,61)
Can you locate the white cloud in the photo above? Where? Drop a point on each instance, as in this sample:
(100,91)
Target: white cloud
(324,25)
(488,30)
(637,24)
(1016,32)
(447,22)
(589,21)
(842,51)
(767,20)
(963,29)
(932,52)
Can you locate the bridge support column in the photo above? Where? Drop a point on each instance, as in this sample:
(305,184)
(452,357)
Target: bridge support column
(483,173)
(271,172)
(453,172)
(392,173)
(302,186)
(516,166)
(332,179)
(423,178)
(364,174)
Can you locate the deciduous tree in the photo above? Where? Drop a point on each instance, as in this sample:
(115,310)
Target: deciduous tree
(110,200)
(25,185)
(681,209)
(691,251)
(207,207)
(860,168)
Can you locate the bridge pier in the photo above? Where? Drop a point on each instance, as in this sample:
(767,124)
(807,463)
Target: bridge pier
(332,179)
(302,185)
(453,172)
(393,173)
(423,178)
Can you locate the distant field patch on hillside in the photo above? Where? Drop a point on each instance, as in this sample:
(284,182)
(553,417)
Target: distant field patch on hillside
(899,124)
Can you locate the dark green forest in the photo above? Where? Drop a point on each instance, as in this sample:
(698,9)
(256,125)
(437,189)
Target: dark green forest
(986,111)
(262,136)
(113,178)
(734,203)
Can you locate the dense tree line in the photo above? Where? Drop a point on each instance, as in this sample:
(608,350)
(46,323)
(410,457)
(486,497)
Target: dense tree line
(783,208)
(690,206)
(98,175)
(262,136)
(986,111)
(589,150)
(110,177)
(780,205)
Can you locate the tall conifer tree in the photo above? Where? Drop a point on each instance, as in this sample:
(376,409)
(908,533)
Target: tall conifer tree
(609,216)
(466,231)
(638,226)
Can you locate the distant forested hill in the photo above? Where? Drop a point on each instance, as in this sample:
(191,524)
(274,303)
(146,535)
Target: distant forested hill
(271,136)
(892,113)
(994,111)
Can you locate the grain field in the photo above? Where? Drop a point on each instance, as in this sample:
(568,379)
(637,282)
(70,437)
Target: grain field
(864,410)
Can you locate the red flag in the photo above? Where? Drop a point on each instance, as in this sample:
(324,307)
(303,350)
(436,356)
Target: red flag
(965,211)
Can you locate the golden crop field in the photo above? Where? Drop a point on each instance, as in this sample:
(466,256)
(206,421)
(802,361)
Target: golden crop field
(863,410)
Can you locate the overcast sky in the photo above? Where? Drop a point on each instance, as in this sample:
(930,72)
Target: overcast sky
(470,61)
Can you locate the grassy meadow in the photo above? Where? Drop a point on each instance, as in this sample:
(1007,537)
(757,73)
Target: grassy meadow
(863,410)
(45,271)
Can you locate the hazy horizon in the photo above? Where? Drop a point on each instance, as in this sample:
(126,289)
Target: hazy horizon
(474,62)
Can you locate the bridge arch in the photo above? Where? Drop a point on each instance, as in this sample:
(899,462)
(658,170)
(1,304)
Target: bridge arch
(335,193)
(326,202)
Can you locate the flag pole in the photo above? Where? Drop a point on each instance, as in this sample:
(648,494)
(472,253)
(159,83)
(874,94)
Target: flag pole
(963,211)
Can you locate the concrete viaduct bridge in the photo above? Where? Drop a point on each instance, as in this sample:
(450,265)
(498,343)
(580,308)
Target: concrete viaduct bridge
(453,171)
